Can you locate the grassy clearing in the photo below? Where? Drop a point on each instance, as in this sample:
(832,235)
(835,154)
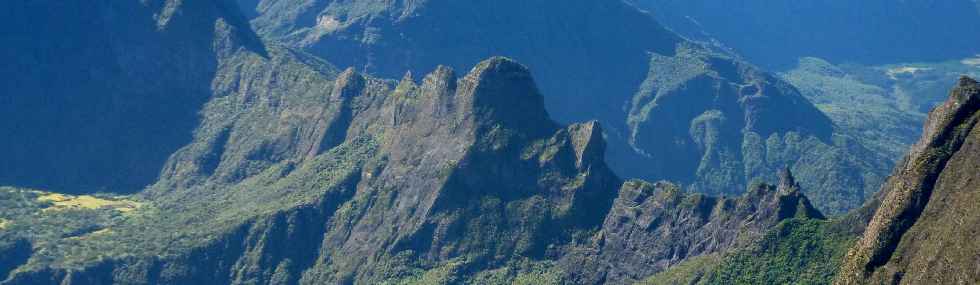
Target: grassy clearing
(65,202)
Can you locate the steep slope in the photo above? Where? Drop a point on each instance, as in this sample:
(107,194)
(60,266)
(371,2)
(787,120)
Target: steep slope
(776,34)
(96,96)
(916,230)
(602,60)
(718,124)
(924,230)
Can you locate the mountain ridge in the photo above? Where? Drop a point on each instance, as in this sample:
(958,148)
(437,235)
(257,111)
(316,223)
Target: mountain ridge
(418,178)
(591,67)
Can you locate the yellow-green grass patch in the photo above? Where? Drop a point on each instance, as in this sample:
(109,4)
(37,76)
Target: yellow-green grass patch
(64,202)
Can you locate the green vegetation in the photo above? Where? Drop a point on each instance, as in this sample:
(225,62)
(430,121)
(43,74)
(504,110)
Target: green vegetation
(32,215)
(516,272)
(867,112)
(795,252)
(691,271)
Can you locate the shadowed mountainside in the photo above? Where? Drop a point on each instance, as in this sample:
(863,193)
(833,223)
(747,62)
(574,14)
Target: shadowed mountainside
(98,95)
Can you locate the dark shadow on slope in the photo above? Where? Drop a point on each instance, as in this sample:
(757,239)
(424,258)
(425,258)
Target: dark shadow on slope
(96,96)
(14,255)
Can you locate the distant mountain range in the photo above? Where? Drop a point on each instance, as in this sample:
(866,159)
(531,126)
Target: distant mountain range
(873,32)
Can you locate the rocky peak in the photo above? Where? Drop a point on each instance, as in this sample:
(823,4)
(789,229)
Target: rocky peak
(406,83)
(348,84)
(443,77)
(498,64)
(498,71)
(963,101)
(501,91)
(588,143)
(786,180)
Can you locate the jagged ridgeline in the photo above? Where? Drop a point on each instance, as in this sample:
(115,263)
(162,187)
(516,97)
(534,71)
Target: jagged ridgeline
(103,112)
(299,173)
(670,109)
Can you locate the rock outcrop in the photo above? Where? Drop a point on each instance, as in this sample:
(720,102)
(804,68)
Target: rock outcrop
(652,227)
